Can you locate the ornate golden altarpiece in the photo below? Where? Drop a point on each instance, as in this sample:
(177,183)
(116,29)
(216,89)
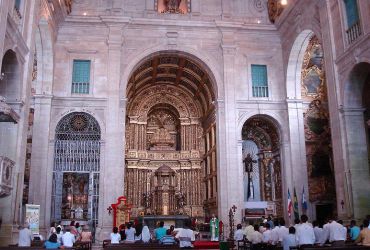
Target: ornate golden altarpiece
(164,137)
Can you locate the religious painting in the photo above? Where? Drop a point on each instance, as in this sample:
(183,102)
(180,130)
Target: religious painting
(321,181)
(75,195)
(173,6)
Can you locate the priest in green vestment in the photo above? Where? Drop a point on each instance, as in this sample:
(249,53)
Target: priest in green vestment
(214,226)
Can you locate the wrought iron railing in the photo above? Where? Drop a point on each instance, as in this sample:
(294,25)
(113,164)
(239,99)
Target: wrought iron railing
(354,32)
(260,91)
(80,87)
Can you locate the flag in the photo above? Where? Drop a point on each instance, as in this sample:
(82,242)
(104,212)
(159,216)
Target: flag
(289,206)
(295,205)
(304,202)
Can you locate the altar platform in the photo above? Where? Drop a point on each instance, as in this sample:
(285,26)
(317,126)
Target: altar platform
(153,220)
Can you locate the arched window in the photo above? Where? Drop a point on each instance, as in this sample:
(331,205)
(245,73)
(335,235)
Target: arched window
(76,169)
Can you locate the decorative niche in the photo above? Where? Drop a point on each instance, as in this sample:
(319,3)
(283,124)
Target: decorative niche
(173,6)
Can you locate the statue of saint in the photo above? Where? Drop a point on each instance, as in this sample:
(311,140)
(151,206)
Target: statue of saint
(248,165)
(214,226)
(79,213)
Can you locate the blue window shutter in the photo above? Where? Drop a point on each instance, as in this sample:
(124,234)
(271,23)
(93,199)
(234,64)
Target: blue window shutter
(351,12)
(17,4)
(81,76)
(259,75)
(259,81)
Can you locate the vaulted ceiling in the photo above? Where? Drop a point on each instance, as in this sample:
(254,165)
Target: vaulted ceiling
(175,70)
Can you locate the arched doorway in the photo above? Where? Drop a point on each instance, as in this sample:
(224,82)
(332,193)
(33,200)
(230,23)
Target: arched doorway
(356,109)
(170,125)
(262,167)
(10,79)
(318,143)
(75,190)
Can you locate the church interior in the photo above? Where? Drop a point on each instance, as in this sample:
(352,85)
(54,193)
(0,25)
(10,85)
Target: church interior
(118,110)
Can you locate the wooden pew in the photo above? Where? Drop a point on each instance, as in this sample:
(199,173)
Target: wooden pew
(141,246)
(345,247)
(76,246)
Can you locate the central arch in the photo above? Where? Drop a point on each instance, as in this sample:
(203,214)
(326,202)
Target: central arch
(170,124)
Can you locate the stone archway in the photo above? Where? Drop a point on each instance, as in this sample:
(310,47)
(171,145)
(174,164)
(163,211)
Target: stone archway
(262,166)
(170,121)
(356,109)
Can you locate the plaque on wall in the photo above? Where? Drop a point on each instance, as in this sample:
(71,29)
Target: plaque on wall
(121,211)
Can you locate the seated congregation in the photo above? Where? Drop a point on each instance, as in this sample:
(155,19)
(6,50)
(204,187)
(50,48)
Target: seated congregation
(274,234)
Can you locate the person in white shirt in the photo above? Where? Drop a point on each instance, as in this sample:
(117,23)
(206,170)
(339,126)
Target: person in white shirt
(317,231)
(275,233)
(283,230)
(185,235)
(239,234)
(289,240)
(248,230)
(68,239)
(305,233)
(256,236)
(337,234)
(297,223)
(25,236)
(115,237)
(130,233)
(267,234)
(325,233)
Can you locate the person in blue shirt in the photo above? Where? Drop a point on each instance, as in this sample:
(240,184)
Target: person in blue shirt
(160,231)
(167,239)
(354,231)
(52,243)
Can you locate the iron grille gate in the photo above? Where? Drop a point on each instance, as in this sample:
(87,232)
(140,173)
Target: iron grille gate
(77,152)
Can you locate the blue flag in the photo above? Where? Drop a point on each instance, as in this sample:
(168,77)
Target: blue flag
(304,202)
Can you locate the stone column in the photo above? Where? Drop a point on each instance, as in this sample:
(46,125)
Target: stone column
(295,161)
(357,182)
(227,168)
(328,42)
(112,172)
(4,6)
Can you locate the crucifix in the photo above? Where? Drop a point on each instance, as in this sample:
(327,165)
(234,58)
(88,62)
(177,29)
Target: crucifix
(248,166)
(109,210)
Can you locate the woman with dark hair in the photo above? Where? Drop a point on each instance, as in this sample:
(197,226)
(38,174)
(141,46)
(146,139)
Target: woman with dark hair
(52,243)
(138,229)
(52,229)
(130,233)
(115,237)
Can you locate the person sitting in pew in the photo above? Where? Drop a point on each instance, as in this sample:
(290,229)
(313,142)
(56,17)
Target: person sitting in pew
(185,235)
(289,240)
(168,239)
(364,237)
(52,243)
(115,237)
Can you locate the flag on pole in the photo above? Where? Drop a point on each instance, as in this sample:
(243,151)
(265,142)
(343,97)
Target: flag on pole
(289,206)
(295,205)
(304,202)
